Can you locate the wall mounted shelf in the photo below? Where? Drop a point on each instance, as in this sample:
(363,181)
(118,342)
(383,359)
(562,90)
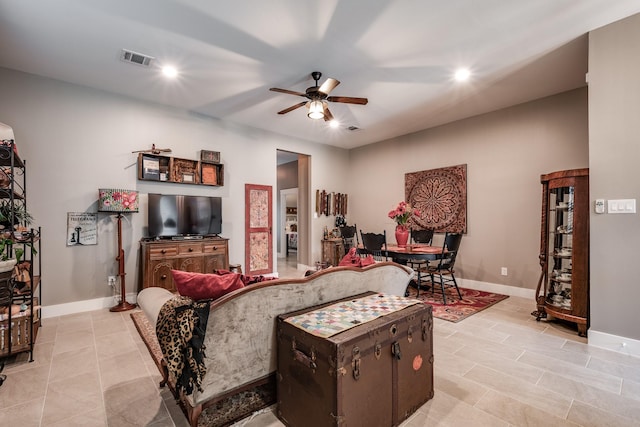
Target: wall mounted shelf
(152,167)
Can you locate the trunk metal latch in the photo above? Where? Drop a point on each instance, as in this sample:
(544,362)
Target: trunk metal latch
(395,350)
(377,350)
(355,363)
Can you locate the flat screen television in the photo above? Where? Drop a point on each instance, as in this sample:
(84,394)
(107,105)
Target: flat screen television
(171,216)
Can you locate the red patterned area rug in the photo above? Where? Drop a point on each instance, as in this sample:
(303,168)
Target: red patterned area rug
(473,301)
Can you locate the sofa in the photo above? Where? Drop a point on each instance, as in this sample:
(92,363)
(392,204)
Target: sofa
(240,338)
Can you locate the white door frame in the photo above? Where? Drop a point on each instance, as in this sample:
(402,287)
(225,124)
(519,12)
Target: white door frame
(283,220)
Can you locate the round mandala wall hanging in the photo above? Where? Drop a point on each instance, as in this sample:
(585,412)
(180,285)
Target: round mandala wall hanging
(441,196)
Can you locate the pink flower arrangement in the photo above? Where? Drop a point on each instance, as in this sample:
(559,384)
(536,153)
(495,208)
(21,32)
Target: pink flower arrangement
(402,213)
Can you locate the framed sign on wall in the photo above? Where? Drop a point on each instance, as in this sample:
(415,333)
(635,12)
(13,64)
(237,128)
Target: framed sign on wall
(82,228)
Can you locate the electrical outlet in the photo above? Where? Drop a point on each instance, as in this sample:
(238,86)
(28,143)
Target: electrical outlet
(503,271)
(111,280)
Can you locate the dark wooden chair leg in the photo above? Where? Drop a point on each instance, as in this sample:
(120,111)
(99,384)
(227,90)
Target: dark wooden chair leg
(456,284)
(444,296)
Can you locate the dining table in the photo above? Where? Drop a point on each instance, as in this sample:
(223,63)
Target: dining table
(421,251)
(416,252)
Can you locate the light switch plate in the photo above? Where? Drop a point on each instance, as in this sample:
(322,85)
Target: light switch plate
(621,206)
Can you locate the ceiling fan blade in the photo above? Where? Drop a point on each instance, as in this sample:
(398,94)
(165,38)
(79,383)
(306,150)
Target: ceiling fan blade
(348,100)
(293,107)
(290,92)
(327,114)
(329,85)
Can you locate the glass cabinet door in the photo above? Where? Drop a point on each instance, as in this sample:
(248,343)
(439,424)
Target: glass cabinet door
(561,205)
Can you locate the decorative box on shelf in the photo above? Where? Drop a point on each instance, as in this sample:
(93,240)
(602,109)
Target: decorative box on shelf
(210,156)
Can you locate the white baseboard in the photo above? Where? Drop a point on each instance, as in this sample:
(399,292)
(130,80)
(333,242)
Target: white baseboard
(498,289)
(617,343)
(81,306)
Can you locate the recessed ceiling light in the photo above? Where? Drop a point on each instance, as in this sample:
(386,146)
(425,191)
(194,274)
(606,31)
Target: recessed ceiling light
(334,123)
(169,71)
(462,74)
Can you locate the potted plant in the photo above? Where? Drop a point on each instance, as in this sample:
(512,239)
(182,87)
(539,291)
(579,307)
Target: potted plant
(17,211)
(6,261)
(401,215)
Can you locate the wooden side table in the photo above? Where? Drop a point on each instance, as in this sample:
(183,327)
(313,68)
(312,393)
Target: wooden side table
(332,251)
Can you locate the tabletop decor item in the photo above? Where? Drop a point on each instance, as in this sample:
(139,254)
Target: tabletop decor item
(401,215)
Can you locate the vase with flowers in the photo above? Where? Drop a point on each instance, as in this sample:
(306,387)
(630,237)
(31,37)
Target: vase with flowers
(401,215)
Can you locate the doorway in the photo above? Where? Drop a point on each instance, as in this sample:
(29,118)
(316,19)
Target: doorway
(293,184)
(289,224)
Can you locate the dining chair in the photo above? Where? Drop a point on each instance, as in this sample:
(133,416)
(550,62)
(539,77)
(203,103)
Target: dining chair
(420,266)
(375,245)
(444,269)
(349,236)
(422,236)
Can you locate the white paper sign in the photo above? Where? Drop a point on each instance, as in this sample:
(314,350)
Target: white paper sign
(82,228)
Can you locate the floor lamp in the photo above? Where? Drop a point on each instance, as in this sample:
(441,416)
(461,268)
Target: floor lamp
(119,202)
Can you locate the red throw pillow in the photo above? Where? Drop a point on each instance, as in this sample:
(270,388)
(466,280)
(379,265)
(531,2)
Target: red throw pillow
(198,286)
(352,259)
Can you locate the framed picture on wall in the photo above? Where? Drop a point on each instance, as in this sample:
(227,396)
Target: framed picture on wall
(82,228)
(150,167)
(209,174)
(188,177)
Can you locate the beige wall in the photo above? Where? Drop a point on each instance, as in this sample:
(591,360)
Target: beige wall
(614,152)
(506,152)
(288,176)
(76,140)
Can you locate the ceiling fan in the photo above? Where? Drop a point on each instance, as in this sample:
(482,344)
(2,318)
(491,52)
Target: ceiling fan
(317,98)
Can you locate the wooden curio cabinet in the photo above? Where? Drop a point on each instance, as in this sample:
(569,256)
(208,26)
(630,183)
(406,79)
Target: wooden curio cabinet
(563,288)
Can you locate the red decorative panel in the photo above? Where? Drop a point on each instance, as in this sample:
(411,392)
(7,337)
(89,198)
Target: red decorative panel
(258,236)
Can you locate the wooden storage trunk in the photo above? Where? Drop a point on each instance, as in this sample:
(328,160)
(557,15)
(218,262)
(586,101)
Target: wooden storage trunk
(376,373)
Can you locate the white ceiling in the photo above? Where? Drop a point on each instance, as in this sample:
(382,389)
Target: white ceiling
(399,54)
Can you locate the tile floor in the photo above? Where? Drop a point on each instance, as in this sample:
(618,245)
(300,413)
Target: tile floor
(497,368)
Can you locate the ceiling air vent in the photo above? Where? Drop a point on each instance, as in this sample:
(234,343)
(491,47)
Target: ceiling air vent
(136,58)
(353,128)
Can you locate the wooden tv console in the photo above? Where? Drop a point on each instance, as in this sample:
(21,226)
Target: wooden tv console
(159,257)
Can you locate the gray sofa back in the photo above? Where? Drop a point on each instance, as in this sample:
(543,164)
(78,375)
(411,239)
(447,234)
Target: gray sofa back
(241,331)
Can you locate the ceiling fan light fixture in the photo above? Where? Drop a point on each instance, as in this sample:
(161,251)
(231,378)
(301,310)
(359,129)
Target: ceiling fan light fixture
(316,110)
